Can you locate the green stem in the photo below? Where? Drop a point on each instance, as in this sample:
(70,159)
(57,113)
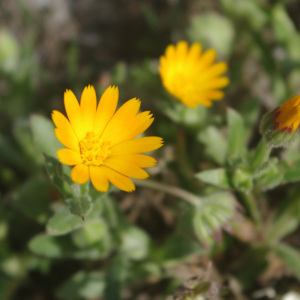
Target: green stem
(261,154)
(182,159)
(253,209)
(173,190)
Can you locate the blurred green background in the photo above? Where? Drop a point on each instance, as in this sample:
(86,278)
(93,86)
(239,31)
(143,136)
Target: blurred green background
(143,245)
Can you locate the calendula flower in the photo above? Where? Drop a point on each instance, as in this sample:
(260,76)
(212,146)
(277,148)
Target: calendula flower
(280,126)
(287,115)
(192,76)
(101,143)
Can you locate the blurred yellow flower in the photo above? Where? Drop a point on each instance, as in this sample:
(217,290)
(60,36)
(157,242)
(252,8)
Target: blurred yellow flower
(192,76)
(101,142)
(287,115)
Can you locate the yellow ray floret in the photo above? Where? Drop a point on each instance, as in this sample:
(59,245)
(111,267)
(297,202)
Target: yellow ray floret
(101,143)
(287,116)
(192,76)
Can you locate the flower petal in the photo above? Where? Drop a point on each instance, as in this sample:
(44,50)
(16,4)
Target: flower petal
(74,114)
(121,181)
(213,71)
(214,84)
(188,101)
(138,125)
(67,139)
(140,145)
(181,50)
(194,53)
(140,160)
(80,173)
(106,109)
(64,131)
(125,168)
(121,118)
(88,105)
(68,157)
(99,179)
(206,59)
(60,121)
(213,94)
(170,53)
(134,127)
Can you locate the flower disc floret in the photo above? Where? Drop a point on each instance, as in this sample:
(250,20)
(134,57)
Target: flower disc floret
(93,150)
(101,143)
(192,76)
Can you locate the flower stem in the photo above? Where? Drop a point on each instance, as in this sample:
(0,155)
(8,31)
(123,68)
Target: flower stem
(182,159)
(173,190)
(253,209)
(261,155)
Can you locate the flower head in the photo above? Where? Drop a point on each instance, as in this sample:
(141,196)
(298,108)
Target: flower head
(192,76)
(287,116)
(280,126)
(101,143)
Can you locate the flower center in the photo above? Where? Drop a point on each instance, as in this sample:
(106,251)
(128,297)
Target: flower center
(93,150)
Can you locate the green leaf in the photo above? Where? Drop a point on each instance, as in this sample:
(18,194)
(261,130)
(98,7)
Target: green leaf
(56,173)
(259,155)
(290,256)
(217,177)
(252,264)
(216,144)
(11,154)
(113,215)
(134,243)
(291,173)
(80,206)
(9,51)
(242,180)
(215,211)
(248,10)
(286,219)
(50,246)
(172,251)
(249,111)
(285,31)
(22,134)
(115,274)
(63,222)
(212,30)
(32,199)
(192,118)
(63,247)
(143,270)
(237,135)
(83,285)
(282,226)
(269,178)
(93,232)
(43,135)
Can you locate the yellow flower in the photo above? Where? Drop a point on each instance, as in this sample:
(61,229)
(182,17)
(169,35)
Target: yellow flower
(287,115)
(192,76)
(101,142)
